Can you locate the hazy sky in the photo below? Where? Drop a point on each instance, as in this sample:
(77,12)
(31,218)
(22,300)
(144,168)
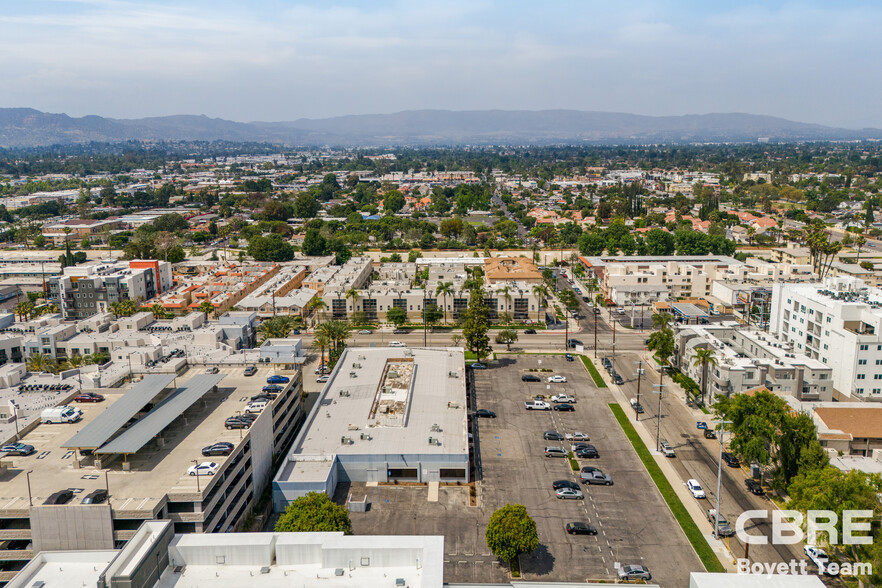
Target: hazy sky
(276,60)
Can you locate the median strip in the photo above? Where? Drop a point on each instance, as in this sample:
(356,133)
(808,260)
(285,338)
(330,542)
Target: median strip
(690,529)
(595,375)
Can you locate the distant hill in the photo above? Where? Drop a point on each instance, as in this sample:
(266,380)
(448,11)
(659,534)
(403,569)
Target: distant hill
(26,127)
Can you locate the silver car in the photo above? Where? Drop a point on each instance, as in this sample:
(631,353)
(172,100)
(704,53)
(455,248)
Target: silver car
(634,572)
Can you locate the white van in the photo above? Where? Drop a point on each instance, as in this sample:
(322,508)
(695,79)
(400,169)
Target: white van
(61,414)
(256,406)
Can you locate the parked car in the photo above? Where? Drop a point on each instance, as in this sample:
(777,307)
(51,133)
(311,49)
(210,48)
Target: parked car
(206,468)
(485,414)
(634,572)
(365,332)
(256,406)
(667,450)
(477,366)
(620,311)
(723,527)
(589,452)
(754,487)
(553,436)
(695,488)
(271,389)
(557,379)
(563,398)
(529,331)
(397,344)
(701,425)
(564,408)
(710,434)
(95,496)
(277,379)
(606,362)
(555,452)
(322,369)
(537,405)
(89,397)
(60,497)
(237,423)
(618,379)
(576,447)
(250,370)
(558,484)
(222,448)
(570,357)
(401,331)
(573,343)
(530,378)
(577,436)
(818,557)
(323,379)
(730,460)
(18,449)
(212,370)
(638,408)
(569,494)
(589,475)
(580,528)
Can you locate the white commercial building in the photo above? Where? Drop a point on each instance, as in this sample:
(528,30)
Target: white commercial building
(838,323)
(386,414)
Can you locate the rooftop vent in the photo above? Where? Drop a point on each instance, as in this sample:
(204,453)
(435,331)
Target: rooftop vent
(265,570)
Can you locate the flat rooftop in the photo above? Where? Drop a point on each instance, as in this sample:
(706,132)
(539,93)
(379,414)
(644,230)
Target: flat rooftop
(156,470)
(396,398)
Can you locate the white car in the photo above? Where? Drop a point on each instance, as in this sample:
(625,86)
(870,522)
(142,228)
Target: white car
(818,556)
(621,311)
(563,398)
(397,344)
(577,436)
(557,379)
(695,488)
(323,379)
(206,468)
(570,493)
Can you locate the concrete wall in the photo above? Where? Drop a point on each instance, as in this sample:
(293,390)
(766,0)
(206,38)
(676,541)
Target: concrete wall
(71,526)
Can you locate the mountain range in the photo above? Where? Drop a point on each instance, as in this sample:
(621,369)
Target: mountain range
(26,127)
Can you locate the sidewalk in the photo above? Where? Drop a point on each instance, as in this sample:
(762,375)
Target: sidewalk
(692,507)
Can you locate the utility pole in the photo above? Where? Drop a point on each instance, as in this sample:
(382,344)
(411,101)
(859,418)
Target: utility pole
(719,475)
(660,392)
(639,377)
(593,308)
(425,323)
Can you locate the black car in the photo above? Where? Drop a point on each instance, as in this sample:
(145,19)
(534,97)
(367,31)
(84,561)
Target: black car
(485,414)
(237,423)
(709,434)
(262,396)
(638,408)
(754,487)
(573,343)
(566,484)
(248,416)
(731,460)
(553,436)
(580,528)
(401,331)
(222,448)
(272,389)
(589,452)
(606,362)
(60,497)
(529,331)
(565,407)
(570,357)
(530,378)
(618,379)
(95,496)
(580,445)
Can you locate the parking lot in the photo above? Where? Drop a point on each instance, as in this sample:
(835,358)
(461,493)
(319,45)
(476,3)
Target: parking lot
(633,523)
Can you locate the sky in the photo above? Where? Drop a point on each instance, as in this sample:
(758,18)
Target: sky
(273,60)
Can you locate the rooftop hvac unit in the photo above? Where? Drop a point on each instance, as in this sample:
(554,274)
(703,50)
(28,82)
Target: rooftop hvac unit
(344,393)
(265,570)
(365,436)
(345,441)
(453,374)
(352,427)
(436,428)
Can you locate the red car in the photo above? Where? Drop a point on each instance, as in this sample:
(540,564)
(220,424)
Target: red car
(89,397)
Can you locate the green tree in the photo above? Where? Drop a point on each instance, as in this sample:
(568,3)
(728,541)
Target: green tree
(476,324)
(276,328)
(125,307)
(313,513)
(393,201)
(659,242)
(444,289)
(511,532)
(314,243)
(432,314)
(306,206)
(704,358)
(507,337)
(206,307)
(591,244)
(39,362)
(270,248)
(396,315)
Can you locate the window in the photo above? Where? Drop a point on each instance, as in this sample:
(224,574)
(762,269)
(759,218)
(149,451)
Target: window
(879,362)
(877,376)
(864,362)
(829,320)
(875,390)
(859,390)
(864,347)
(862,376)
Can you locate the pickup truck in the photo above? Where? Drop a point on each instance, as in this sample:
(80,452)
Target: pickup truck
(723,527)
(595,476)
(667,450)
(563,398)
(537,405)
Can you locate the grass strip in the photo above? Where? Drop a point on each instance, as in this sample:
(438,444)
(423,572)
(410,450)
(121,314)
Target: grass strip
(693,533)
(595,375)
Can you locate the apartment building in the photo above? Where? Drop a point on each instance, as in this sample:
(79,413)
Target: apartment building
(90,288)
(839,323)
(137,446)
(224,285)
(75,230)
(626,280)
(747,359)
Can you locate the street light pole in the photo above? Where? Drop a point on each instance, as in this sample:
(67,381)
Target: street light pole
(198,488)
(660,391)
(639,377)
(719,476)
(28,477)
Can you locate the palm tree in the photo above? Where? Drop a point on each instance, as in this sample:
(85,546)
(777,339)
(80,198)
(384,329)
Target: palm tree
(444,289)
(354,295)
(207,307)
(24,309)
(276,328)
(540,291)
(76,361)
(506,294)
(158,311)
(316,305)
(704,357)
(321,340)
(661,320)
(40,363)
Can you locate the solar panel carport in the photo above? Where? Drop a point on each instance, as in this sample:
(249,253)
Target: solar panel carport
(115,416)
(153,423)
